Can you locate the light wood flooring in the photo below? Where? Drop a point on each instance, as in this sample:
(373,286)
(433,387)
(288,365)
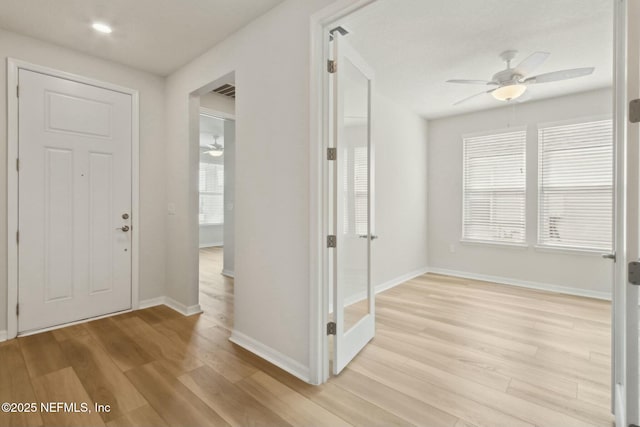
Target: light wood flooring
(447,352)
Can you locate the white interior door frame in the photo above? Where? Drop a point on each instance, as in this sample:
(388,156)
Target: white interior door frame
(13,66)
(318,189)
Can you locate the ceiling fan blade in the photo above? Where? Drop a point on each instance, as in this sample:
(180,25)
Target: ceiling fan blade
(555,76)
(531,62)
(472,82)
(473,96)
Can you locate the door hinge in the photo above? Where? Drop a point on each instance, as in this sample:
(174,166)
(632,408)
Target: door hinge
(17,236)
(332,153)
(17,91)
(331,241)
(18,165)
(17,309)
(634,273)
(634,111)
(332,66)
(331,328)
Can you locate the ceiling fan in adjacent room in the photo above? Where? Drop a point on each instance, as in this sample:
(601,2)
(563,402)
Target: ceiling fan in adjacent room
(215,149)
(511,83)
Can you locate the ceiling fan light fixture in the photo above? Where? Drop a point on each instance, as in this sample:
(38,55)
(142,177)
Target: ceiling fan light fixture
(215,149)
(101,27)
(509,92)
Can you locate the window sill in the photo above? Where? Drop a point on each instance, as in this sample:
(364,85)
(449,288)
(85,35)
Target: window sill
(572,250)
(505,245)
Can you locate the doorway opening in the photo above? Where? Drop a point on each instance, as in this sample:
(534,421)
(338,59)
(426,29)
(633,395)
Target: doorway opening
(486,281)
(216,185)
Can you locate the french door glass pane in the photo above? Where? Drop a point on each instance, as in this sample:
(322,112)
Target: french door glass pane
(353,272)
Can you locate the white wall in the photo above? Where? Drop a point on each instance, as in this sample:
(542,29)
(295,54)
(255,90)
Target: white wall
(583,274)
(152,160)
(270,58)
(400,138)
(211,235)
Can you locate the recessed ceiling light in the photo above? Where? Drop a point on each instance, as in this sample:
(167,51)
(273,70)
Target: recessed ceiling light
(102,28)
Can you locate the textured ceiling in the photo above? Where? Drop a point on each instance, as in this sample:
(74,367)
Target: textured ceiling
(414,46)
(158,36)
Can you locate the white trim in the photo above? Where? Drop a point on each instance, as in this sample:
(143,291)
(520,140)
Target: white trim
(172,304)
(388,284)
(401,279)
(211,244)
(13,65)
(318,220)
(571,250)
(216,114)
(523,283)
(619,405)
(505,245)
(3,336)
(574,121)
(282,361)
(490,132)
(181,308)
(228,273)
(151,302)
(75,322)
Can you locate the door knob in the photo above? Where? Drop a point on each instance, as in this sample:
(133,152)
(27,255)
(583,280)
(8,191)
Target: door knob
(123,228)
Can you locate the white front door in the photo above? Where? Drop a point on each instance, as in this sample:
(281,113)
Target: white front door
(74,201)
(353,204)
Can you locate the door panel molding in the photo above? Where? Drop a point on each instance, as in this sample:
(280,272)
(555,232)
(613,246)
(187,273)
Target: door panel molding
(13,67)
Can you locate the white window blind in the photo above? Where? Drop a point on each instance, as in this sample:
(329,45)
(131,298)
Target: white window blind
(494,187)
(576,185)
(355,190)
(211,193)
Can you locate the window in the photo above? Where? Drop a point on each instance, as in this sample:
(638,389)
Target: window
(211,193)
(575,180)
(494,187)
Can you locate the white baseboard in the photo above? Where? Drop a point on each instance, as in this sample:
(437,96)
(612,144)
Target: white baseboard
(3,336)
(181,308)
(267,353)
(228,273)
(152,302)
(523,283)
(388,284)
(210,244)
(401,279)
(171,303)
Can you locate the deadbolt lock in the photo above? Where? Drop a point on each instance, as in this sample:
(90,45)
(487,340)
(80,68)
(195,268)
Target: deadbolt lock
(125,216)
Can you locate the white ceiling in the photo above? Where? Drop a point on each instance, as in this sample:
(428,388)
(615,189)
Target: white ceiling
(414,46)
(157,36)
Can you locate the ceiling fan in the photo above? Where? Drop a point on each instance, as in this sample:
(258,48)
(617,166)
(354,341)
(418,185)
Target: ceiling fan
(215,149)
(512,83)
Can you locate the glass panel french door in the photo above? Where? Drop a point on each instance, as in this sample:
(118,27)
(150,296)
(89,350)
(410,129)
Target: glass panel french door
(626,357)
(354,300)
